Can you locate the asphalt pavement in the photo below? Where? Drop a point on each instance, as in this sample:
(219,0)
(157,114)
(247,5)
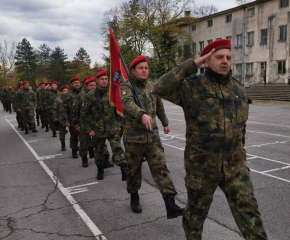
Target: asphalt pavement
(46,194)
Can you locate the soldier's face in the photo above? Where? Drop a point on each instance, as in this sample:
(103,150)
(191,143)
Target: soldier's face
(141,70)
(102,81)
(91,86)
(9,87)
(76,84)
(64,91)
(48,87)
(21,86)
(26,85)
(220,61)
(53,86)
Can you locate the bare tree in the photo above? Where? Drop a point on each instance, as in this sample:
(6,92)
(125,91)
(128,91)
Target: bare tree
(241,2)
(206,10)
(7,52)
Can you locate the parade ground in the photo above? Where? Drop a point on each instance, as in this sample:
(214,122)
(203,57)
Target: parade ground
(46,194)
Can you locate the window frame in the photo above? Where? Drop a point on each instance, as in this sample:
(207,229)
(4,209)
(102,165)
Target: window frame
(251,69)
(283,1)
(265,37)
(229,18)
(283,67)
(209,23)
(240,67)
(241,40)
(251,12)
(284,32)
(193,28)
(250,38)
(201,43)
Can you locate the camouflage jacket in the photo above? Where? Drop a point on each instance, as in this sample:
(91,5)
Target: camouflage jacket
(51,96)
(216,110)
(57,114)
(26,99)
(98,114)
(134,129)
(72,102)
(43,98)
(9,95)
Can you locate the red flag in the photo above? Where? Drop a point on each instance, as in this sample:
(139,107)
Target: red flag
(118,74)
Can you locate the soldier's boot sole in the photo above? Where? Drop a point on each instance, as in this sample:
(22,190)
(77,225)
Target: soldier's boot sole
(136,207)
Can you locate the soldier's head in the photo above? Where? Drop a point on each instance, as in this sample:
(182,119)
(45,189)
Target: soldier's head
(220,59)
(20,86)
(90,83)
(9,86)
(75,83)
(64,89)
(102,79)
(48,86)
(43,85)
(54,85)
(25,85)
(139,67)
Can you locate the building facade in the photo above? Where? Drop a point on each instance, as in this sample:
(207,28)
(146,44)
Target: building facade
(259,33)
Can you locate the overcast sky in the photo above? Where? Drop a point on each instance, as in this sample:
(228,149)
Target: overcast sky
(69,24)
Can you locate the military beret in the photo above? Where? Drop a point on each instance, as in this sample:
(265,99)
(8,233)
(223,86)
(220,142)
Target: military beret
(48,83)
(91,79)
(54,82)
(137,60)
(74,79)
(86,78)
(217,45)
(101,73)
(42,83)
(25,82)
(63,87)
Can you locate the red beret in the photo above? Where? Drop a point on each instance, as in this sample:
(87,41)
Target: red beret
(63,87)
(101,73)
(25,82)
(137,60)
(54,82)
(74,79)
(88,80)
(42,83)
(217,44)
(48,83)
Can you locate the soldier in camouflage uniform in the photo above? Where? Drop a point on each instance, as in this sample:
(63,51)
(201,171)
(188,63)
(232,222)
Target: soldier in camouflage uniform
(141,138)
(37,111)
(215,106)
(9,96)
(57,116)
(71,104)
(15,107)
(41,93)
(26,104)
(98,119)
(45,103)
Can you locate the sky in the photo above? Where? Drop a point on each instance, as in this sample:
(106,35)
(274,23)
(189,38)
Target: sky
(69,24)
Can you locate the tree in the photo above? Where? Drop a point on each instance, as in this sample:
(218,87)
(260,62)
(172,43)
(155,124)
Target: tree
(83,56)
(26,62)
(57,69)
(43,59)
(7,62)
(206,10)
(241,2)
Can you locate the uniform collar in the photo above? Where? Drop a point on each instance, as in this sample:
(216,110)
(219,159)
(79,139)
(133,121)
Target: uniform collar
(216,77)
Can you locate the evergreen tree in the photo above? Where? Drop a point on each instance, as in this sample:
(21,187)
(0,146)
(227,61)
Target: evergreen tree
(26,62)
(43,59)
(83,56)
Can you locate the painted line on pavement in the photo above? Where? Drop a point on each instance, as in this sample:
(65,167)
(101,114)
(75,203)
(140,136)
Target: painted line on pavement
(49,156)
(94,229)
(272,134)
(268,124)
(36,140)
(266,144)
(276,169)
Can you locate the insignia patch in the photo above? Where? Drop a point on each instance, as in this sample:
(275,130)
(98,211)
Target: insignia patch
(123,92)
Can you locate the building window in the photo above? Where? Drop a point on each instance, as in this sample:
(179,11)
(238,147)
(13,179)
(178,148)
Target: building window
(209,23)
(201,46)
(250,38)
(264,36)
(229,37)
(209,41)
(229,18)
(249,69)
(194,47)
(238,69)
(284,3)
(283,32)
(193,28)
(239,40)
(281,67)
(251,12)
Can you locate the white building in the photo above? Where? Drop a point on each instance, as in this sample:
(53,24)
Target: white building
(259,32)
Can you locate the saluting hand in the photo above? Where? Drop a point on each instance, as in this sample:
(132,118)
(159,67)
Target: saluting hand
(147,121)
(92,133)
(201,60)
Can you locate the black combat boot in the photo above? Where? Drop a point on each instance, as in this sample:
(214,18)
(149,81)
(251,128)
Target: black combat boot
(34,129)
(63,146)
(74,153)
(54,133)
(22,128)
(42,125)
(85,162)
(91,152)
(30,126)
(173,210)
(46,128)
(26,130)
(100,175)
(37,122)
(107,163)
(135,204)
(123,167)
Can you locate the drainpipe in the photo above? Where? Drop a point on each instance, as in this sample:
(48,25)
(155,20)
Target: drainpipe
(244,47)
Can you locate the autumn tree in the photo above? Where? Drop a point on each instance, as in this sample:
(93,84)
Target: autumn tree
(241,2)
(206,10)
(7,61)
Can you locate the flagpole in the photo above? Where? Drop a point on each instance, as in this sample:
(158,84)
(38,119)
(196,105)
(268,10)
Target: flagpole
(130,80)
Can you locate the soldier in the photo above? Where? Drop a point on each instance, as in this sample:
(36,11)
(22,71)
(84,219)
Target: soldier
(15,107)
(99,121)
(9,96)
(215,106)
(58,119)
(40,107)
(26,104)
(141,138)
(52,94)
(71,105)
(37,111)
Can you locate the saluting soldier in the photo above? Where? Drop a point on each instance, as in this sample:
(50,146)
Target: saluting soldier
(58,116)
(98,119)
(141,138)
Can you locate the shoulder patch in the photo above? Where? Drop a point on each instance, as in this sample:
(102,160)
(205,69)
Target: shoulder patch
(123,92)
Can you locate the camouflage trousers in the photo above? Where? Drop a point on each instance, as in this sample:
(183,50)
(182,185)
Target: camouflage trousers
(154,154)
(19,118)
(62,133)
(240,197)
(45,116)
(100,149)
(27,116)
(74,137)
(8,107)
(85,143)
(38,115)
(50,121)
